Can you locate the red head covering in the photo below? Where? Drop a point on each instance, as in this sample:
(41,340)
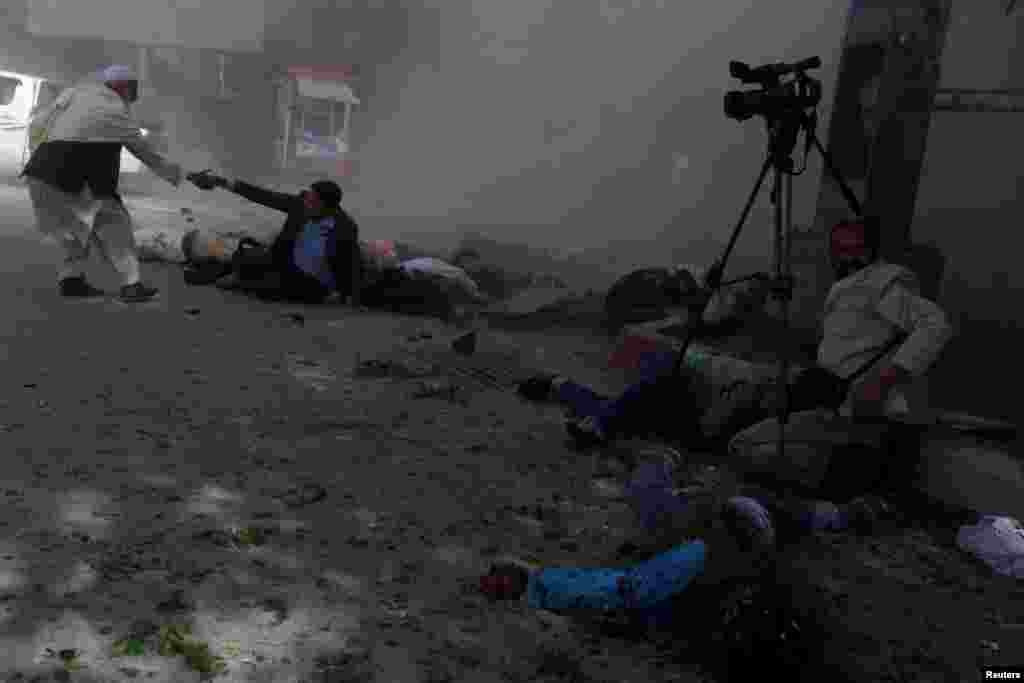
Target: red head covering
(849,240)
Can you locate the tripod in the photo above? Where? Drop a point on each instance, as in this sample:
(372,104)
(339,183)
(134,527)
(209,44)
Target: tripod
(783,132)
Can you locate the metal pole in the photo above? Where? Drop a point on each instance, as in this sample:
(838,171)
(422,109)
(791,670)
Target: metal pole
(286,143)
(36,89)
(332,119)
(778,198)
(222,89)
(785,272)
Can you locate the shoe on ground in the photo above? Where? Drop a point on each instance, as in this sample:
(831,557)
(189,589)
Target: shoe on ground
(750,523)
(78,287)
(138,293)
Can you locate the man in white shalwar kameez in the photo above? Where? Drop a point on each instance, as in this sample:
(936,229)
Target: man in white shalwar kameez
(72,177)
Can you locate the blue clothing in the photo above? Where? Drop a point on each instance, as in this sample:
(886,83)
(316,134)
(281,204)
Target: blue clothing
(645,586)
(312,251)
(637,404)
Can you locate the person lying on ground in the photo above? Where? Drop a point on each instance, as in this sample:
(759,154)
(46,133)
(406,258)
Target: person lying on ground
(315,255)
(423,286)
(74,170)
(728,541)
(658,501)
(879,339)
(493,281)
(448,276)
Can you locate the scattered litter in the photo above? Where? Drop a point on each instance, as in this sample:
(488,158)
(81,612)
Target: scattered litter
(296,318)
(250,536)
(159,245)
(307,494)
(68,658)
(397,368)
(177,641)
(310,373)
(445,390)
(174,604)
(129,647)
(996,541)
(192,311)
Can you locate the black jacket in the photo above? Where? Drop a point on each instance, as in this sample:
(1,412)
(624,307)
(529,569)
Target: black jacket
(70,166)
(345,257)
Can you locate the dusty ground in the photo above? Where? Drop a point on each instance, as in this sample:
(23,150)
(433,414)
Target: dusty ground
(211,461)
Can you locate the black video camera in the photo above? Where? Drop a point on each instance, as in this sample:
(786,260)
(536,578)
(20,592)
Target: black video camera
(775,99)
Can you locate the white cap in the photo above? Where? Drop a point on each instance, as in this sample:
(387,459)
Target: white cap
(117,73)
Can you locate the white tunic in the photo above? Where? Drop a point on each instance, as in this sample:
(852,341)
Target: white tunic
(867,311)
(92,112)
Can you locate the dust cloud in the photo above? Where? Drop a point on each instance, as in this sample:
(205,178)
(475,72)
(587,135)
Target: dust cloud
(594,127)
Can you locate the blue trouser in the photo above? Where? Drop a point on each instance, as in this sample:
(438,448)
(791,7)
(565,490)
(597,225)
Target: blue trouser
(637,408)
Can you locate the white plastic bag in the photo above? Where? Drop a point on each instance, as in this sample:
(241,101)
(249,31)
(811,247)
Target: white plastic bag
(996,541)
(456,281)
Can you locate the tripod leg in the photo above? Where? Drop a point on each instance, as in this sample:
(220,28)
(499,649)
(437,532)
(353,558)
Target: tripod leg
(844,187)
(693,325)
(783,228)
(746,210)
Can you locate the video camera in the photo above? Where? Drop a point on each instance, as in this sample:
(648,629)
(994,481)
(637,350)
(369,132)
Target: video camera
(775,99)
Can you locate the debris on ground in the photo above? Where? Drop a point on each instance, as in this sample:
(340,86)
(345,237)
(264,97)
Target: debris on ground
(177,640)
(304,495)
(466,344)
(396,367)
(996,541)
(444,390)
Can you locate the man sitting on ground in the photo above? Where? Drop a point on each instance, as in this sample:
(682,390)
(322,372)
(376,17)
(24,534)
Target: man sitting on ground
(316,254)
(879,338)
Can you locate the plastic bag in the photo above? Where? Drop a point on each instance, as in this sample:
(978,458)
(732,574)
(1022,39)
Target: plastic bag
(996,541)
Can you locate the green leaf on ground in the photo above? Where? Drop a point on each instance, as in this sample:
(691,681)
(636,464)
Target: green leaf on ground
(129,647)
(177,640)
(250,536)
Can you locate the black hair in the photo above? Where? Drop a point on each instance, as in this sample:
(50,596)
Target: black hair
(329,192)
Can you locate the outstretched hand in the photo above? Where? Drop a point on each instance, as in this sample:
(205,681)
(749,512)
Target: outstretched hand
(205,180)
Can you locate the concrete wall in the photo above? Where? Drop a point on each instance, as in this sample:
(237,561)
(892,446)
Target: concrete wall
(971,204)
(591,125)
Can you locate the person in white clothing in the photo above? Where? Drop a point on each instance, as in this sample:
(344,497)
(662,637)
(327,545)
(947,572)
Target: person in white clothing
(72,177)
(879,339)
